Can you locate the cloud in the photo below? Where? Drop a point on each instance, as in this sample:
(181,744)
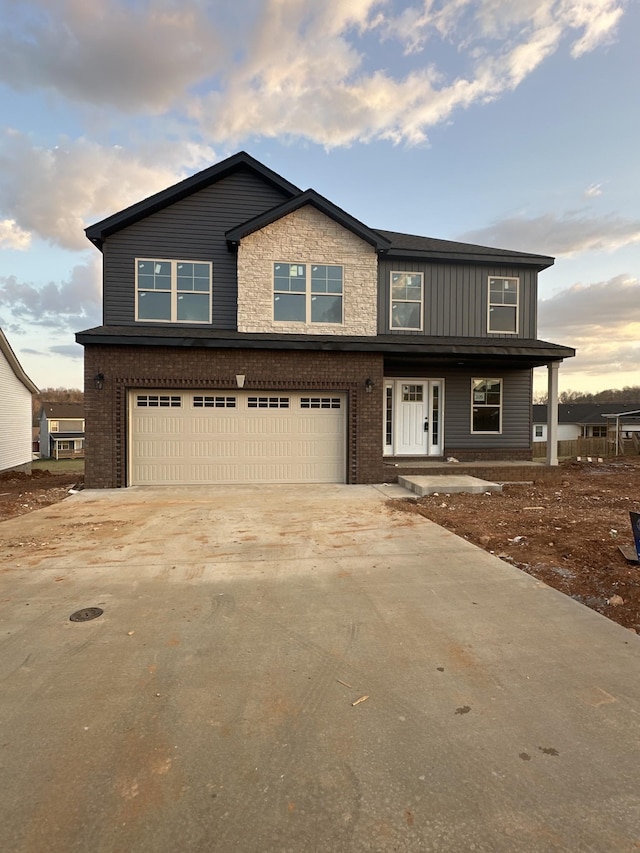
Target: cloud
(588,309)
(55,192)
(71,351)
(130,55)
(12,236)
(292,68)
(598,320)
(553,235)
(593,191)
(304,77)
(67,305)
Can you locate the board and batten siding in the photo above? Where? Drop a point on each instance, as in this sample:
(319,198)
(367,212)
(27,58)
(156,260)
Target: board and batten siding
(517,387)
(456,298)
(15,419)
(192,229)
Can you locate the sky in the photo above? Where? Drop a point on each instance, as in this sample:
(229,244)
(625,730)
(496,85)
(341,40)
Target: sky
(507,123)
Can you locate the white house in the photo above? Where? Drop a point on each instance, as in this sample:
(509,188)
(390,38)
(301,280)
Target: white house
(587,420)
(15,410)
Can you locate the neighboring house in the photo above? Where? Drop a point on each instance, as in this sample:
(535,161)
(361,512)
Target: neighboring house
(15,411)
(62,430)
(257,333)
(588,420)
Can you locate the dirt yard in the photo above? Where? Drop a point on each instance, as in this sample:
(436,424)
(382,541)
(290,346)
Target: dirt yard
(21,493)
(565,530)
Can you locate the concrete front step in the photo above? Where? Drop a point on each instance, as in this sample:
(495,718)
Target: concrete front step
(447,484)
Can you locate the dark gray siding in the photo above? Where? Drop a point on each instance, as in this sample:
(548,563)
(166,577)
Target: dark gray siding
(456,297)
(516,409)
(191,229)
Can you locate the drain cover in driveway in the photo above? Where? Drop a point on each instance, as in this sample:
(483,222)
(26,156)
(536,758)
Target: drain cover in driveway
(87,614)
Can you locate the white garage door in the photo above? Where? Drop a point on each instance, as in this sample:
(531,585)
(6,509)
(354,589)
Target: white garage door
(236,437)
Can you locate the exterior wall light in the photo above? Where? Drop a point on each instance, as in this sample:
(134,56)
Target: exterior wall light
(240,377)
(368,385)
(98,381)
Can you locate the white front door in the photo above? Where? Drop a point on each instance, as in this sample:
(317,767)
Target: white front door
(412,422)
(413,417)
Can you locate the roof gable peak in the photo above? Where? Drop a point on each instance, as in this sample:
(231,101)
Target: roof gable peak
(97,232)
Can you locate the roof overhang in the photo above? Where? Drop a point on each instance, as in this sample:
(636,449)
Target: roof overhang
(456,351)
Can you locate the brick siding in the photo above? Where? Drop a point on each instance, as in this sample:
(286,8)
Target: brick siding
(128,367)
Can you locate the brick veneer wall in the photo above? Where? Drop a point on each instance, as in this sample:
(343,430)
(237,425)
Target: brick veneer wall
(307,236)
(127,367)
(507,454)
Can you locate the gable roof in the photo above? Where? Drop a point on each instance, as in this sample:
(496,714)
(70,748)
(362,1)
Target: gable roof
(393,244)
(15,365)
(308,197)
(586,413)
(414,246)
(100,230)
(63,411)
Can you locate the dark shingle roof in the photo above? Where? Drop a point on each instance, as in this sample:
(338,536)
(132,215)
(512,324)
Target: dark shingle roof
(430,247)
(529,352)
(584,413)
(62,411)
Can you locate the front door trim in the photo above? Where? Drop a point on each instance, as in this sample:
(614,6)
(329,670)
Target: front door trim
(413,416)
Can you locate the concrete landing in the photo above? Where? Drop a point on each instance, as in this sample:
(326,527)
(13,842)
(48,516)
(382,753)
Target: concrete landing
(447,484)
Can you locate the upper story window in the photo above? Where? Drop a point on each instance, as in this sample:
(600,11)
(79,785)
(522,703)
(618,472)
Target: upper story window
(54,426)
(307,293)
(503,305)
(173,291)
(486,405)
(406,300)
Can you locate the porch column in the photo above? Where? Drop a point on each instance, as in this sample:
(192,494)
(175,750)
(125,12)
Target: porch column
(552,413)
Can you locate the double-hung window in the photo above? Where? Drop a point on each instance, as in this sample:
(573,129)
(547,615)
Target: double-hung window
(170,291)
(307,293)
(486,405)
(503,305)
(406,300)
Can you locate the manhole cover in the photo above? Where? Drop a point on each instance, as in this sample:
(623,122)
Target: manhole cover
(86,614)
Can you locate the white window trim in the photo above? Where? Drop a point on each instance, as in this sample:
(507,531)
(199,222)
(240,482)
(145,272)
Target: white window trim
(490,304)
(486,379)
(307,293)
(174,290)
(393,328)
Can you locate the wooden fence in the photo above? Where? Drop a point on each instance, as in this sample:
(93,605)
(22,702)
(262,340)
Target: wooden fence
(577,447)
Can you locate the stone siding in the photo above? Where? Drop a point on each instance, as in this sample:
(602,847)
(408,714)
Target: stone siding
(306,236)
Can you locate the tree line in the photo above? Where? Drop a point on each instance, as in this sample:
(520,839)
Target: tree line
(55,395)
(626,395)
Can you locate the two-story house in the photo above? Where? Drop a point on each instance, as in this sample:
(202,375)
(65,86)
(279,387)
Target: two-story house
(62,430)
(257,333)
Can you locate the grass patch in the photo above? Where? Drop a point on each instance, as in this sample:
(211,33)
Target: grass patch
(59,466)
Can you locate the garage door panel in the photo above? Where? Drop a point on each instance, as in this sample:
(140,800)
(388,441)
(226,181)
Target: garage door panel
(214,473)
(244,438)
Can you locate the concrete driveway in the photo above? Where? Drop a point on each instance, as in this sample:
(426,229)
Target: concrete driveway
(212,707)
